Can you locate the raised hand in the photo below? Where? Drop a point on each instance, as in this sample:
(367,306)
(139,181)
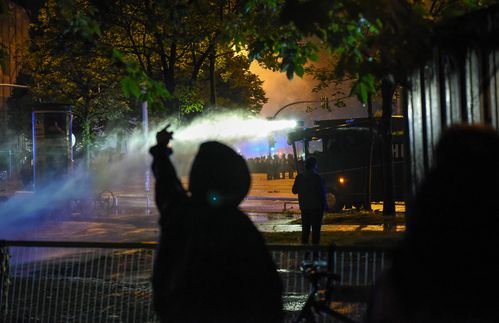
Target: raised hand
(164,136)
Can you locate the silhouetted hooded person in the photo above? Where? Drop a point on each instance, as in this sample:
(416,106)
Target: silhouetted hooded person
(312,199)
(212,264)
(446,268)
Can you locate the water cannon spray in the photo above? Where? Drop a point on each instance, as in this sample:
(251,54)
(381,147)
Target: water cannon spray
(230,128)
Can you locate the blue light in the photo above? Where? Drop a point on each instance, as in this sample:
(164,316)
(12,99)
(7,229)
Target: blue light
(213,198)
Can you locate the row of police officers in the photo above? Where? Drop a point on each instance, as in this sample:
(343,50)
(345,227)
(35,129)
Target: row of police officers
(276,167)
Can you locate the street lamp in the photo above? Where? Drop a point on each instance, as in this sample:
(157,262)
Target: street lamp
(323,100)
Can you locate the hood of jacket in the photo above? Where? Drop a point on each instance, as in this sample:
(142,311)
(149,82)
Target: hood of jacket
(219,176)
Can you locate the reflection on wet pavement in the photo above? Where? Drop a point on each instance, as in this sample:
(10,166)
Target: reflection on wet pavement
(133,227)
(274,227)
(281,223)
(133,220)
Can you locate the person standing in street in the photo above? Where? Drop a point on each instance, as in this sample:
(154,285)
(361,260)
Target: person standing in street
(312,199)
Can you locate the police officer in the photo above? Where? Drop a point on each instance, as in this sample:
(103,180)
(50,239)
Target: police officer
(276,162)
(268,167)
(291,166)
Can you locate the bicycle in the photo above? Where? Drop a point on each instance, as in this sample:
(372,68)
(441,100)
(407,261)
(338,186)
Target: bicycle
(320,297)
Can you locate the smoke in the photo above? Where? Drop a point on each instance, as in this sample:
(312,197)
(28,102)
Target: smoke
(281,91)
(125,172)
(26,212)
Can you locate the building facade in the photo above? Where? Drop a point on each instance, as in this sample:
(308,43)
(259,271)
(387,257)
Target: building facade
(14,27)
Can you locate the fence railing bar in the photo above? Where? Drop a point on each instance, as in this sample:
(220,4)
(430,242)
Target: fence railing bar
(2,289)
(21,285)
(45,273)
(2,308)
(36,269)
(39,282)
(96,291)
(39,285)
(76,287)
(28,266)
(88,311)
(335,262)
(357,279)
(302,285)
(51,287)
(366,268)
(350,268)
(342,266)
(81,289)
(149,305)
(15,287)
(87,294)
(57,302)
(137,282)
(125,284)
(102,289)
(112,286)
(295,258)
(382,260)
(70,297)
(48,277)
(19,290)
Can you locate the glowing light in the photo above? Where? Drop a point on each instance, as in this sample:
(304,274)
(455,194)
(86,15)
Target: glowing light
(213,198)
(341,180)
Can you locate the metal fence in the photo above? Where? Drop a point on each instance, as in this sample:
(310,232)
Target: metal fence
(110,282)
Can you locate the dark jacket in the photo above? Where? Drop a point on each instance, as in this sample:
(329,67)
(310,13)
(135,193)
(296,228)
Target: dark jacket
(212,264)
(310,189)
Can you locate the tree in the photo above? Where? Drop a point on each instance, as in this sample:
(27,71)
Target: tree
(63,68)
(106,57)
(376,43)
(181,44)
(241,89)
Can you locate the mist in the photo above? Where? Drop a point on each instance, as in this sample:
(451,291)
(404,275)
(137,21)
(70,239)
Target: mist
(26,212)
(281,91)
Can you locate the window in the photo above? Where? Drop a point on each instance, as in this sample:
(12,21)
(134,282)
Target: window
(315,146)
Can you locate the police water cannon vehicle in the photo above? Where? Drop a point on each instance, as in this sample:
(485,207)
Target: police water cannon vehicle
(348,152)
